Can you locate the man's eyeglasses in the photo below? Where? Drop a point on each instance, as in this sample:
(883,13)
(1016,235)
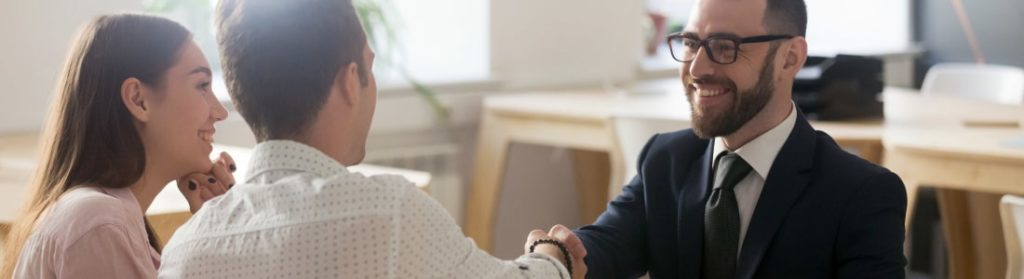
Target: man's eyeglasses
(721,50)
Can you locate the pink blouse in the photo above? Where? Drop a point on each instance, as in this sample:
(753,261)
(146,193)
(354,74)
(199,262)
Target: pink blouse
(90,232)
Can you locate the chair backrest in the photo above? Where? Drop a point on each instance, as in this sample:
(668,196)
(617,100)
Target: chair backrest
(1012,210)
(632,132)
(994,83)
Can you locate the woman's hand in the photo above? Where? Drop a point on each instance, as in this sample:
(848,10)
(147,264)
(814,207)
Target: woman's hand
(201,187)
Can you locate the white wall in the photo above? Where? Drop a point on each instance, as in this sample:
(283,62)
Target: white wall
(36,36)
(858,27)
(544,42)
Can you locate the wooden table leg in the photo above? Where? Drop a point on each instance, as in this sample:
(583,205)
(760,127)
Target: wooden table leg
(912,187)
(986,235)
(618,169)
(896,163)
(591,170)
(489,170)
(4,229)
(955,225)
(872,152)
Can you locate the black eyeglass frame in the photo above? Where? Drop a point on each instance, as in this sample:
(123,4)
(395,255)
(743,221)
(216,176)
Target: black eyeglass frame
(705,43)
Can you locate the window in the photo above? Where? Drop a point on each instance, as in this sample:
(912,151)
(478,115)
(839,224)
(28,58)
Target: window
(436,41)
(441,40)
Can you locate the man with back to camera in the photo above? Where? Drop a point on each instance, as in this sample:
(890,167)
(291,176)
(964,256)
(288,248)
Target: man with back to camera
(300,73)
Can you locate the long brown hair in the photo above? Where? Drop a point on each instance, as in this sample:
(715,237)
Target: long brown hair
(90,137)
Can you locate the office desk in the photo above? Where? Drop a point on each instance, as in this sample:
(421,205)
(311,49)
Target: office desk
(169,209)
(932,146)
(581,121)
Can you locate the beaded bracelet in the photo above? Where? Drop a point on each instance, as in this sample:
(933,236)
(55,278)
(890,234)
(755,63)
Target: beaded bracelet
(565,252)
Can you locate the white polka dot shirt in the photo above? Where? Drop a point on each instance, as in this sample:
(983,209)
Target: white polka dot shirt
(301,214)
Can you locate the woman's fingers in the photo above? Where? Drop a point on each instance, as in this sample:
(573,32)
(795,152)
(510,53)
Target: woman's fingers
(221,172)
(191,189)
(228,161)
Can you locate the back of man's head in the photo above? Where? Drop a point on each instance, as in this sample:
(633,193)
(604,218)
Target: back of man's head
(280,59)
(786,17)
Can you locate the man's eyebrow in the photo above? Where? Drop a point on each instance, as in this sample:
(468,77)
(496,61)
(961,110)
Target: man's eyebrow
(723,35)
(693,35)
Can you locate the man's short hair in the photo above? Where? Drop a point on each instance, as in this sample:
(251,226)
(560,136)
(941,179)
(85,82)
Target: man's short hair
(786,17)
(280,58)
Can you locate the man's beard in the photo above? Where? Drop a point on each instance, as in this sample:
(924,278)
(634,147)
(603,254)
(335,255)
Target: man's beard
(744,106)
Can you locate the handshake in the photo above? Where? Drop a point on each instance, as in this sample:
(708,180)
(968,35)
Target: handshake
(556,243)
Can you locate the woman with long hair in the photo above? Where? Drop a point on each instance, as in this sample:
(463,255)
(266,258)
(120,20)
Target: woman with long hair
(133,111)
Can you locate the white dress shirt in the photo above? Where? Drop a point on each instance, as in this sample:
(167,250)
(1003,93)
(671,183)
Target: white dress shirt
(301,214)
(760,153)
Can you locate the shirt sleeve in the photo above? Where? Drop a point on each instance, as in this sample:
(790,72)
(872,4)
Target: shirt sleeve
(432,245)
(104,252)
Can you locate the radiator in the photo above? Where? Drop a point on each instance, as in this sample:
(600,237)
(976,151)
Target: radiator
(440,160)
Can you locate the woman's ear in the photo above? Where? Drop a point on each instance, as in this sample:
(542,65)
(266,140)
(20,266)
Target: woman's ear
(134,99)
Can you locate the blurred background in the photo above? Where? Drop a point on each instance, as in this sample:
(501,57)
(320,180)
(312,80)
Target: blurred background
(447,66)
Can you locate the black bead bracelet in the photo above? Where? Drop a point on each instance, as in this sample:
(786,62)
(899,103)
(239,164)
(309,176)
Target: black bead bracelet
(565,252)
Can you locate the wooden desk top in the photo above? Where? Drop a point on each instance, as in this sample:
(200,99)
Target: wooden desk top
(586,106)
(988,144)
(949,126)
(18,160)
(601,106)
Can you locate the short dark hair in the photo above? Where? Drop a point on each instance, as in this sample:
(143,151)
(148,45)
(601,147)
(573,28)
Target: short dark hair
(786,17)
(280,58)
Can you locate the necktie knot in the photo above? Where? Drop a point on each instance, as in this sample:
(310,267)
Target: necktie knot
(734,169)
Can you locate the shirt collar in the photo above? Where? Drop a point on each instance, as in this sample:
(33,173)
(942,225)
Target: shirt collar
(760,152)
(290,155)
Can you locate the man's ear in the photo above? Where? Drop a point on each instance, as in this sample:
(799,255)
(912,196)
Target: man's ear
(347,80)
(796,55)
(134,99)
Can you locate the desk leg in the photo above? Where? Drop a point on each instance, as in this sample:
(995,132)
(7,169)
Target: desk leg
(896,163)
(618,169)
(872,152)
(491,157)
(987,235)
(591,169)
(973,234)
(4,229)
(957,231)
(911,187)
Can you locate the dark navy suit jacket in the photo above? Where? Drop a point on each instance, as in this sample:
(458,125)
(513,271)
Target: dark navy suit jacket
(823,213)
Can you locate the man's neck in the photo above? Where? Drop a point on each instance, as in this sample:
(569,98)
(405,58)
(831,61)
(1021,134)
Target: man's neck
(327,142)
(769,117)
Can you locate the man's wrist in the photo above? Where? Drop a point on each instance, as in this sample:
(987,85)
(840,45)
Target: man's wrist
(550,250)
(555,249)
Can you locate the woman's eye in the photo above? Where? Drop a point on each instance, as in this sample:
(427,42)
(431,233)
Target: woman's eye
(203,86)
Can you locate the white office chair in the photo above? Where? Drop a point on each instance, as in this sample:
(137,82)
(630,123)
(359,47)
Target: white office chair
(1012,210)
(633,131)
(995,83)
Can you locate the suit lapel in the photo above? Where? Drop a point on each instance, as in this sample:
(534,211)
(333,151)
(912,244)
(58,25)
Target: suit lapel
(695,183)
(789,175)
